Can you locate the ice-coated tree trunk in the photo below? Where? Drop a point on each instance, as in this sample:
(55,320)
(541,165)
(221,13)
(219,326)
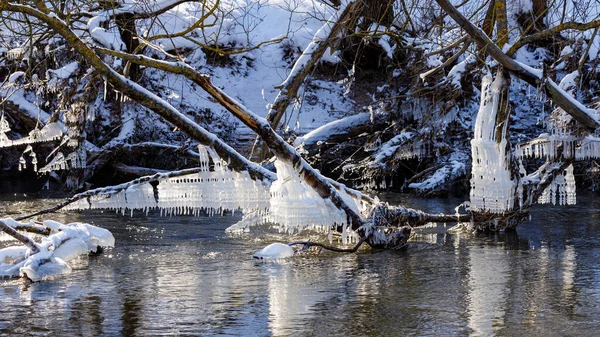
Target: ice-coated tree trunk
(492,181)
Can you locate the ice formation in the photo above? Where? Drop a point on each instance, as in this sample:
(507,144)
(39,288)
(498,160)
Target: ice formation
(288,201)
(492,188)
(48,133)
(557,146)
(295,206)
(562,190)
(65,243)
(214,190)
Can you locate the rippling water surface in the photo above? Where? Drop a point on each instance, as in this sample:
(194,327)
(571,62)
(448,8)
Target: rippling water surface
(185,276)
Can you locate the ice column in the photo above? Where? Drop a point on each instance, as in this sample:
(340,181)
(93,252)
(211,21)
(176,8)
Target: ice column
(492,188)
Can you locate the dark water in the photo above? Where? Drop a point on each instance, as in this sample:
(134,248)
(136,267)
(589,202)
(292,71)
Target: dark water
(185,276)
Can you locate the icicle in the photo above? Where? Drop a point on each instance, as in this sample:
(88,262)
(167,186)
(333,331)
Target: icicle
(22,163)
(57,163)
(560,190)
(34,161)
(570,187)
(4,126)
(15,53)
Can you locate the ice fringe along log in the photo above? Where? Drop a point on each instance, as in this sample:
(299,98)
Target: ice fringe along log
(212,189)
(547,145)
(288,201)
(48,133)
(492,188)
(50,257)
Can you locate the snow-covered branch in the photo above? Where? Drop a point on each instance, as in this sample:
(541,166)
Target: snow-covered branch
(587,117)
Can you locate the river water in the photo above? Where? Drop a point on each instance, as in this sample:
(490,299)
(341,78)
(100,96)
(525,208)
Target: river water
(185,276)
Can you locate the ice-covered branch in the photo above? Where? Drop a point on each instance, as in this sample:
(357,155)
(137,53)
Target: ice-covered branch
(550,33)
(112,190)
(583,115)
(448,62)
(282,150)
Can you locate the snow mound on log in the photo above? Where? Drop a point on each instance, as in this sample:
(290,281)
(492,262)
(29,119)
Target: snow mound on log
(66,243)
(274,251)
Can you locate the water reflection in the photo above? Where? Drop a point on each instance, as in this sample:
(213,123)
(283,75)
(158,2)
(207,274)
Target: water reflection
(183,276)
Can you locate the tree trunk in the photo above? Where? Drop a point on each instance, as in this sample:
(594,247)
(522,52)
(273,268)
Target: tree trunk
(126,24)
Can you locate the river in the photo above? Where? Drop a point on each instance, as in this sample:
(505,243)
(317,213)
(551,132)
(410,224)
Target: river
(185,276)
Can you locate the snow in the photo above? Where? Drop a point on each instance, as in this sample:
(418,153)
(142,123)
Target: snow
(569,82)
(384,42)
(257,73)
(65,243)
(455,74)
(454,168)
(65,71)
(336,127)
(319,37)
(567,50)
(590,112)
(108,38)
(391,147)
(274,251)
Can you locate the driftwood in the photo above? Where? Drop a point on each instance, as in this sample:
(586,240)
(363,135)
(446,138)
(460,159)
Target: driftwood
(307,244)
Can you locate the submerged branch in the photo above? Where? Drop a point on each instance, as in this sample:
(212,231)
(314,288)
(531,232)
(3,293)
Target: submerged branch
(308,244)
